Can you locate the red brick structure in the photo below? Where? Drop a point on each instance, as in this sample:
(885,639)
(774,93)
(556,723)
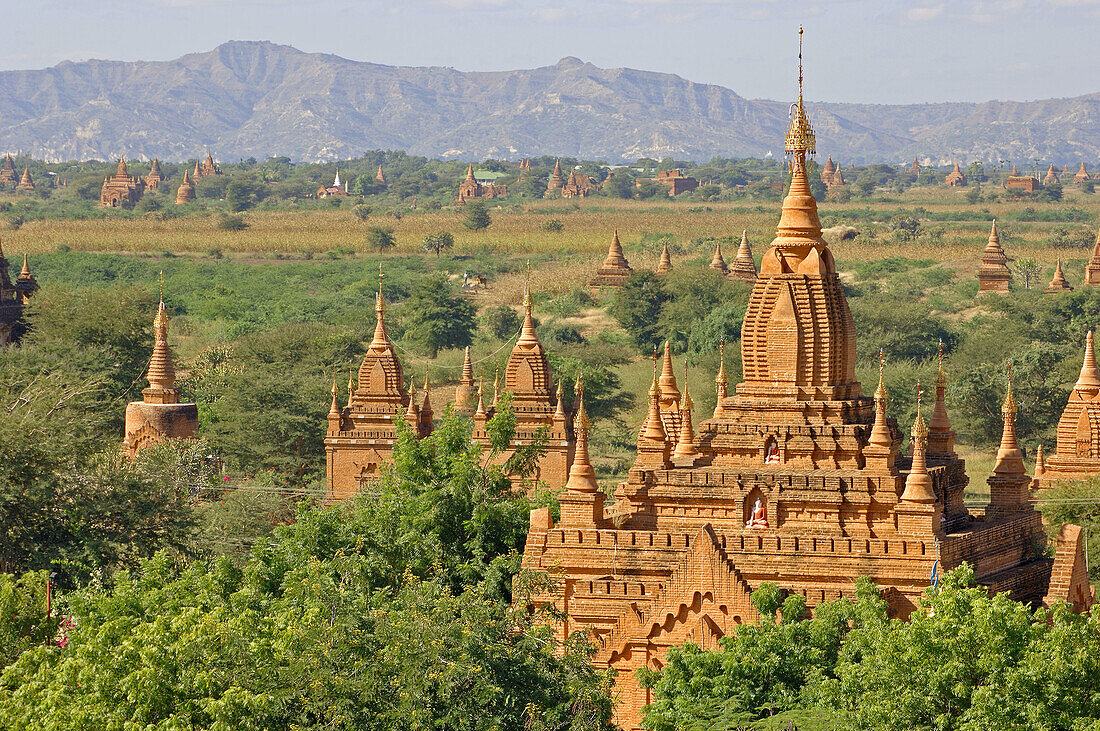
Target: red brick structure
(744,267)
(466,391)
(1092,269)
(528,378)
(1058,283)
(718,262)
(1023,183)
(121,188)
(159,415)
(360,436)
(674,180)
(578,185)
(208,167)
(1082,175)
(796,480)
(556,181)
(380,177)
(337,188)
(828,171)
(955,178)
(914,169)
(26,182)
(154,178)
(471,188)
(186,191)
(994,274)
(1051,178)
(615,269)
(8,176)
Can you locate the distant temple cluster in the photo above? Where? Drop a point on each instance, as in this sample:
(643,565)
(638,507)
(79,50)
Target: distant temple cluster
(616,270)
(472,188)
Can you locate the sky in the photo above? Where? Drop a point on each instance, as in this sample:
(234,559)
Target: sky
(869,51)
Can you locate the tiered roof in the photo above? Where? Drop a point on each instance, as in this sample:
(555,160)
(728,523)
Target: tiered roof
(994,274)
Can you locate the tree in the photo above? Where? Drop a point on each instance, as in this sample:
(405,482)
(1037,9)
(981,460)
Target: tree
(1028,270)
(477,217)
(905,228)
(637,307)
(438,315)
(381,237)
(438,241)
(502,321)
(362,211)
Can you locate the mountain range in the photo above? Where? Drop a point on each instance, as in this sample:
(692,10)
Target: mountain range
(260,99)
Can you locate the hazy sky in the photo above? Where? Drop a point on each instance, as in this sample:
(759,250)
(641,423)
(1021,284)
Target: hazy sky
(856,50)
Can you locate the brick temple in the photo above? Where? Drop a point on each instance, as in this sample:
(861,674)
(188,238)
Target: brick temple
(13,299)
(797,478)
(121,187)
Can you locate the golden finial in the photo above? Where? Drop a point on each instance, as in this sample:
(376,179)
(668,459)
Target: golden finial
(351,384)
(380,303)
(686,404)
(880,392)
(578,389)
(527,288)
(1009,406)
(800,133)
(160,281)
(920,430)
(581,422)
(334,383)
(941,379)
(426,386)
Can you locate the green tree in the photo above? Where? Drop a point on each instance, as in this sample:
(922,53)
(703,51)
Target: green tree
(438,242)
(477,217)
(637,307)
(502,321)
(438,316)
(1028,270)
(381,237)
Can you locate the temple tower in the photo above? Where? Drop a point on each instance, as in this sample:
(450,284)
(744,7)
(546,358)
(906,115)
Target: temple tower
(466,391)
(1082,175)
(664,266)
(361,441)
(8,176)
(380,177)
(159,415)
(955,178)
(209,167)
(121,187)
(615,269)
(528,379)
(154,178)
(718,262)
(1077,451)
(557,181)
(13,300)
(26,183)
(994,274)
(1051,178)
(1009,483)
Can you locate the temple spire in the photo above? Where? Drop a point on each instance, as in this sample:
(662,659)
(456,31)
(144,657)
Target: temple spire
(334,409)
(667,381)
(1010,458)
(1009,484)
(918,484)
(582,478)
(721,381)
(718,262)
(381,338)
(654,428)
(664,266)
(881,436)
(527,335)
(685,445)
(1089,379)
(744,266)
(941,437)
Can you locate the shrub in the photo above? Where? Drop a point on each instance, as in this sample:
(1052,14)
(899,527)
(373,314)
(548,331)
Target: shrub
(229,222)
(554,225)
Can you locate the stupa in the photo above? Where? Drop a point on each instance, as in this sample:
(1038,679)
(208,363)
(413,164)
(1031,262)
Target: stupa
(186,191)
(380,177)
(121,187)
(955,178)
(744,267)
(154,178)
(557,181)
(828,172)
(26,182)
(466,391)
(360,436)
(1092,269)
(159,415)
(664,265)
(1058,283)
(13,300)
(994,274)
(1051,178)
(615,269)
(1082,175)
(718,262)
(796,480)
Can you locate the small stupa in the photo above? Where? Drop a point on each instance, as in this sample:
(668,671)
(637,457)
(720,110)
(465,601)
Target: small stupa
(1058,284)
(664,266)
(994,274)
(718,262)
(744,267)
(615,269)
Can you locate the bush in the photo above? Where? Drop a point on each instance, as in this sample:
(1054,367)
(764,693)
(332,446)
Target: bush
(477,217)
(361,211)
(554,225)
(229,222)
(502,321)
(438,241)
(381,238)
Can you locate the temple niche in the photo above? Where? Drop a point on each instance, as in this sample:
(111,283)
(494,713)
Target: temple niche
(159,415)
(798,479)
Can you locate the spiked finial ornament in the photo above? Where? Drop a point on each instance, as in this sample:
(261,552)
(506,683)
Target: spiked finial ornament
(1008,408)
(920,430)
(800,133)
(880,392)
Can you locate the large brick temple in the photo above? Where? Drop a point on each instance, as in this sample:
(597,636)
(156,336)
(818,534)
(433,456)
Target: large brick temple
(797,479)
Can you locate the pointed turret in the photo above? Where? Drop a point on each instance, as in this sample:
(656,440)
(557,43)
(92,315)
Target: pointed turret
(25,285)
(918,483)
(427,414)
(480,415)
(1058,283)
(582,478)
(1040,462)
(380,176)
(1051,178)
(26,183)
(744,267)
(186,191)
(122,171)
(686,451)
(1088,382)
(615,269)
(162,372)
(1009,483)
(556,182)
(334,408)
(882,448)
(1082,175)
(470,173)
(941,437)
(718,262)
(8,176)
(197,173)
(412,411)
(466,391)
(664,266)
(653,443)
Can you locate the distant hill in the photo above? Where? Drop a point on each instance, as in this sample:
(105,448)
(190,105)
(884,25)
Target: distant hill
(260,99)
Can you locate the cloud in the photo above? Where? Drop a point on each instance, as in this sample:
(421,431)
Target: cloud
(924,14)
